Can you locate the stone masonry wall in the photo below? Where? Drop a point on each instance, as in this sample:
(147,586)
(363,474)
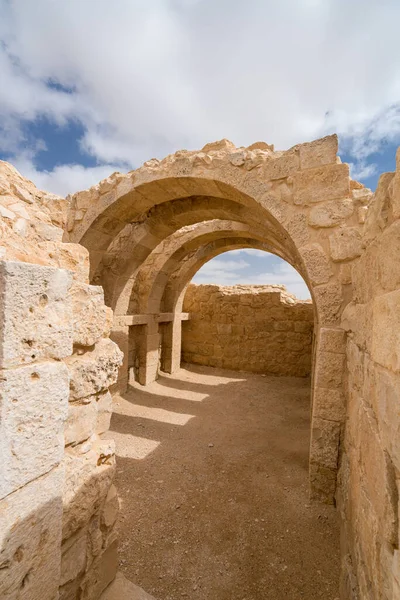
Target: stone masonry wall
(57,502)
(261,329)
(370,465)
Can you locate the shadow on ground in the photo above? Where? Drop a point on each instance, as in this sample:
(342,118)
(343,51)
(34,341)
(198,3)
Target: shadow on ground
(212,474)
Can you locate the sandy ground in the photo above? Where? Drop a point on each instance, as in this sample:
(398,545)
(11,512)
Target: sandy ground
(212,474)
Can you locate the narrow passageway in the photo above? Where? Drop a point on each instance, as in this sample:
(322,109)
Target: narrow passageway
(212,471)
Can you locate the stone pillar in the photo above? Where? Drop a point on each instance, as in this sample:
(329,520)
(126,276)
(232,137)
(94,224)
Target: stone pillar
(35,334)
(328,413)
(150,352)
(172,345)
(120,335)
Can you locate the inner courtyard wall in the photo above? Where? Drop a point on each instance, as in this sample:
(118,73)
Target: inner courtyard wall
(260,329)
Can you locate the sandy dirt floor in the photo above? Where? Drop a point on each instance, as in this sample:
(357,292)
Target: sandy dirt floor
(212,474)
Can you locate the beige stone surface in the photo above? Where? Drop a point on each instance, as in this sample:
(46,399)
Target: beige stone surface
(36,315)
(94,370)
(123,589)
(30,540)
(345,244)
(261,329)
(92,320)
(331,213)
(33,401)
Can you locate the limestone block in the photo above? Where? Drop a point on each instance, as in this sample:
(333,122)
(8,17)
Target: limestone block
(345,244)
(317,263)
(73,559)
(30,540)
(345,273)
(387,258)
(87,480)
(320,152)
(95,370)
(298,229)
(111,508)
(332,340)
(325,438)
(123,588)
(35,313)
(331,213)
(328,298)
(72,257)
(329,404)
(101,573)
(281,166)
(81,422)
(385,331)
(322,483)
(104,412)
(386,389)
(329,370)
(49,232)
(91,318)
(321,184)
(34,404)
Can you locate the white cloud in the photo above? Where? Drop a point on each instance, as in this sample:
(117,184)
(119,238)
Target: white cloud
(250,252)
(148,78)
(63,179)
(224,271)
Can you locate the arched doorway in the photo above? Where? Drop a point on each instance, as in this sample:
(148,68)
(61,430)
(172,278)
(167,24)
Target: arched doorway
(147,231)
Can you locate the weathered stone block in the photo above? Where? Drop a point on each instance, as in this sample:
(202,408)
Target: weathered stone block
(298,229)
(281,166)
(111,508)
(320,152)
(329,370)
(34,405)
(101,573)
(81,422)
(92,320)
(331,213)
(73,559)
(345,244)
(95,370)
(322,483)
(328,299)
(87,480)
(329,404)
(332,340)
(317,263)
(325,438)
(30,540)
(385,331)
(321,184)
(35,313)
(104,412)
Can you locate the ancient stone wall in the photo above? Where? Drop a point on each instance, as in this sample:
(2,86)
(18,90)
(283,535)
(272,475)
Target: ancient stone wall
(57,502)
(261,329)
(370,463)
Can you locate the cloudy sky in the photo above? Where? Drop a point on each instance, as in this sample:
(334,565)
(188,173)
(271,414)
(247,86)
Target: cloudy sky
(91,86)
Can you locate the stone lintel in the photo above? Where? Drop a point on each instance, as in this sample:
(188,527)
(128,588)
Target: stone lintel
(131,320)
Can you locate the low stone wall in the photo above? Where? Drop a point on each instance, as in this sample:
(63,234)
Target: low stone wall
(261,329)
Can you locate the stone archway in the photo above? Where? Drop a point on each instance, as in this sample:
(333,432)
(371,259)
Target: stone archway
(301,201)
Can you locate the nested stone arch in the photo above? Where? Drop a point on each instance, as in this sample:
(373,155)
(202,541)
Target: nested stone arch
(304,194)
(174,291)
(116,269)
(155,272)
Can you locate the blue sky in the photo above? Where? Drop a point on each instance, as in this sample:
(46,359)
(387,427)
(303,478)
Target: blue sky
(86,92)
